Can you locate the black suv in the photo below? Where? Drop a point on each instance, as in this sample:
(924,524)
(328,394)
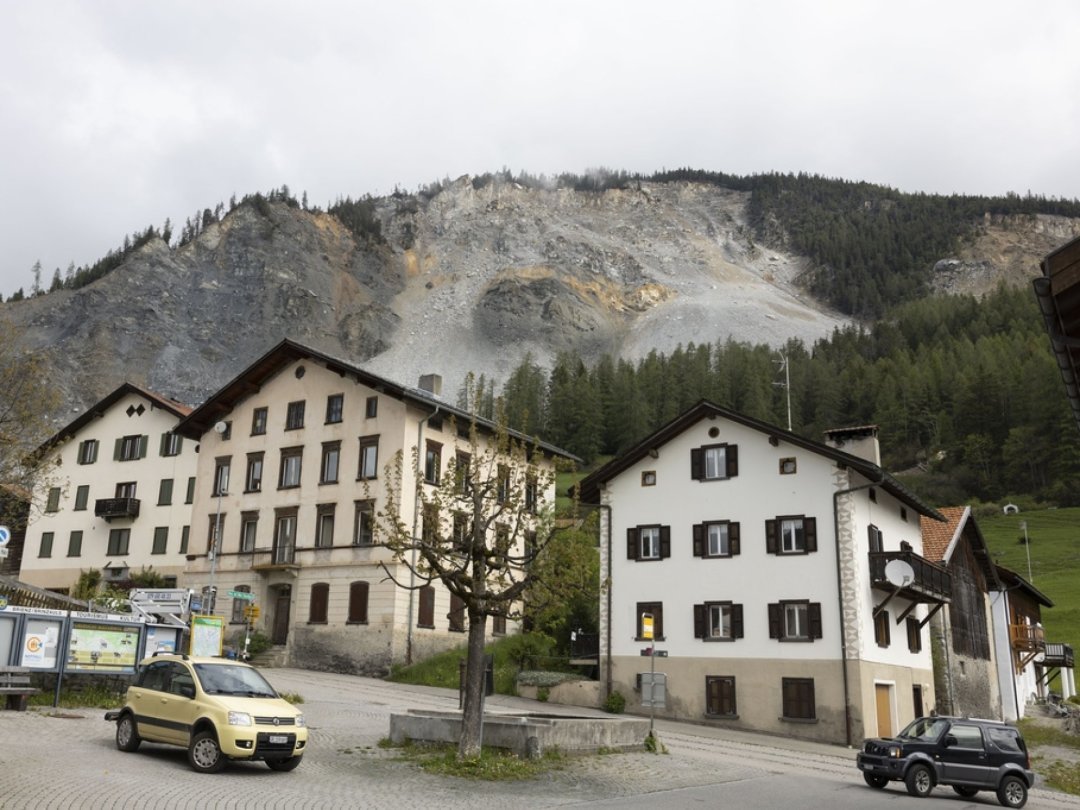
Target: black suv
(967,754)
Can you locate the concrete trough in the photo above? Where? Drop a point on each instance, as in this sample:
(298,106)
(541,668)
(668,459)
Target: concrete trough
(526,734)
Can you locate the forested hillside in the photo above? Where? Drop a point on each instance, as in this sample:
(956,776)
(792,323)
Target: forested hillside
(966,394)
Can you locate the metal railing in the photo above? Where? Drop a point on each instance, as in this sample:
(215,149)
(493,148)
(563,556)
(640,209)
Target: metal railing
(116,507)
(931,580)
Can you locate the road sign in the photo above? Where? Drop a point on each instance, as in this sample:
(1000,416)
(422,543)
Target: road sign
(242,595)
(251,612)
(5,535)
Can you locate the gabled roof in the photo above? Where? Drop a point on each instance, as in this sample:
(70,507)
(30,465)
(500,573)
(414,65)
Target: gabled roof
(1010,580)
(177,409)
(940,540)
(590,485)
(251,379)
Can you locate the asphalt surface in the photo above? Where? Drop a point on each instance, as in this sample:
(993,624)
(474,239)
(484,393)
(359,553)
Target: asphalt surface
(68,759)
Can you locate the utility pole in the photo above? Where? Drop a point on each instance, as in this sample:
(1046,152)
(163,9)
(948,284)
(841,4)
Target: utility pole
(1027,550)
(786,384)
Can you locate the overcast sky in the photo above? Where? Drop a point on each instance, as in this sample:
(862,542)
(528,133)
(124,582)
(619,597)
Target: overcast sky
(116,115)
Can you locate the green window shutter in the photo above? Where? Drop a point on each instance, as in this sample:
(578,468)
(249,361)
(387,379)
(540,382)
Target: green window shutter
(165,492)
(143,441)
(164,444)
(161,540)
(184,534)
(117,448)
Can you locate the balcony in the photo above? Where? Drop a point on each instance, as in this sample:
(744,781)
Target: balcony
(275,559)
(1058,655)
(931,582)
(110,508)
(1027,637)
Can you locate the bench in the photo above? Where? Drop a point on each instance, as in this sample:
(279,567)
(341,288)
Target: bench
(15,687)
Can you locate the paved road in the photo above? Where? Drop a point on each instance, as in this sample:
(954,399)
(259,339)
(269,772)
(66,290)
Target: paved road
(70,761)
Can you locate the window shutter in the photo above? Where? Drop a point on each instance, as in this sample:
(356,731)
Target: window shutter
(117,448)
(776,629)
(164,440)
(631,544)
(143,441)
(665,541)
(813,615)
(770,536)
(695,464)
(358,602)
(731,454)
(699,621)
(736,621)
(699,540)
(810,532)
(733,537)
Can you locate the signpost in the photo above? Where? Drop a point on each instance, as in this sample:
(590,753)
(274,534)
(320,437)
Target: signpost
(5,538)
(249,597)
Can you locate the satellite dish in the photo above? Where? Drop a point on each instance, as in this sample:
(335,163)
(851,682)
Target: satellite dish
(1040,657)
(899,573)
(220,427)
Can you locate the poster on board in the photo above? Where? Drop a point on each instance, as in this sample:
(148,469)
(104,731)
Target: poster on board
(40,643)
(101,647)
(207,635)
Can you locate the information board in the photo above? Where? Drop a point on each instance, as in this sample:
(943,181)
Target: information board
(207,635)
(100,647)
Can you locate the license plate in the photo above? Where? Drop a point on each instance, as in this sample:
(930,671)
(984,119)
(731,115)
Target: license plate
(278,739)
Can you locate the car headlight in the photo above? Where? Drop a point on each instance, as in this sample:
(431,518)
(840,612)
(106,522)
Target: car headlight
(300,721)
(239,719)
(894,752)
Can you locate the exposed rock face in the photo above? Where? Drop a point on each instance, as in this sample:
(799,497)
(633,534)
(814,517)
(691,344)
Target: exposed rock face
(468,281)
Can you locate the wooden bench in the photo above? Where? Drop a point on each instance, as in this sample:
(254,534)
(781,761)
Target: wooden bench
(15,687)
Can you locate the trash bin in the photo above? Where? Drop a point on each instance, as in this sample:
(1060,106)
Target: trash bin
(489,678)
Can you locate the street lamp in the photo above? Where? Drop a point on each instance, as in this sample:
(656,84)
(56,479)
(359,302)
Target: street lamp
(215,542)
(1027,549)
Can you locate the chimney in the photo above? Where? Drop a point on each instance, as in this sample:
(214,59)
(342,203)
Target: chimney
(432,383)
(859,441)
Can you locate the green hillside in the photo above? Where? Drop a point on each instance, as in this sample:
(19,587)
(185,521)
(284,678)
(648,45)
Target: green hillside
(1054,536)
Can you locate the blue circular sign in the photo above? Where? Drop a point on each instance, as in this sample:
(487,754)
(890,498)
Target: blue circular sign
(5,535)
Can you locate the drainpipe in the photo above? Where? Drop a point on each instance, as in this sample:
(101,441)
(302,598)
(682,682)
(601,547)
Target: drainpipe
(415,534)
(607,640)
(840,598)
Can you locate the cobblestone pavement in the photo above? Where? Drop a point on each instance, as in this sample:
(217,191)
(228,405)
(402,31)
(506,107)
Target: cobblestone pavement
(67,759)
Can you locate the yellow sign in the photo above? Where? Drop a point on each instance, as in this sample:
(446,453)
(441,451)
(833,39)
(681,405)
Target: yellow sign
(647,626)
(251,612)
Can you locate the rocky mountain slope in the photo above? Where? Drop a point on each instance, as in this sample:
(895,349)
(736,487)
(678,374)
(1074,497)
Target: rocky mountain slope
(472,279)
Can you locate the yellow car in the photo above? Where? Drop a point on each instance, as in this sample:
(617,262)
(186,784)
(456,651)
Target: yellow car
(217,708)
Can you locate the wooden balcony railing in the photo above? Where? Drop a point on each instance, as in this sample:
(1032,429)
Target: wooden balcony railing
(1027,637)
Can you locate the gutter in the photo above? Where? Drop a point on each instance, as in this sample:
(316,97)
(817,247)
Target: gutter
(416,534)
(607,640)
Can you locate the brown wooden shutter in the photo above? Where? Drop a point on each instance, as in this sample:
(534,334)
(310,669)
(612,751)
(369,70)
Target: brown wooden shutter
(320,596)
(665,542)
(736,621)
(631,544)
(810,533)
(813,615)
(699,540)
(776,628)
(696,464)
(358,602)
(770,536)
(426,614)
(699,621)
(733,538)
(731,455)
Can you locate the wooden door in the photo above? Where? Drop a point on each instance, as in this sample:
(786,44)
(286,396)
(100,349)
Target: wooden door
(883,698)
(281,616)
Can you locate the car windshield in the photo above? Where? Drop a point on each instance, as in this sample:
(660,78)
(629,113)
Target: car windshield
(228,679)
(925,728)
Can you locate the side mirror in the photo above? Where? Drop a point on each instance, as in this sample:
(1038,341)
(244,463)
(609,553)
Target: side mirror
(950,740)
(188,691)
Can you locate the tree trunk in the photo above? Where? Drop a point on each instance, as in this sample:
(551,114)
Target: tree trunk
(472,717)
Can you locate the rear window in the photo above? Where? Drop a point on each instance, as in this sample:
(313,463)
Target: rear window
(1006,739)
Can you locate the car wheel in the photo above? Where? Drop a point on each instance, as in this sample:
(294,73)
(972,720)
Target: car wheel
(283,764)
(1012,792)
(204,753)
(875,780)
(965,791)
(919,781)
(127,736)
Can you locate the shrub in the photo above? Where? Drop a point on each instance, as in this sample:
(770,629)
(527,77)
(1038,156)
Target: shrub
(615,703)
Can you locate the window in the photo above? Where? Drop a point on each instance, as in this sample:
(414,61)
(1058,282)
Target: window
(873,495)
(462,532)
(796,620)
(254,475)
(164,497)
(294,416)
(371,407)
(88,451)
(249,527)
(226,434)
(258,422)
(189,496)
(185,535)
(531,493)
(914,635)
(320,598)
(791,535)
(324,525)
(285,537)
(967,736)
(358,602)
(46,544)
(335,407)
(502,486)
(798,697)
(877,541)
(430,530)
(331,458)
(118,542)
(130,448)
(1005,739)
(52,504)
(456,616)
(882,633)
(82,495)
(720,696)
(462,473)
(221,475)
(432,462)
(364,529)
(648,542)
(714,462)
(656,610)
(126,489)
(171,444)
(648,478)
(238,605)
(426,614)
(215,533)
(75,544)
(498,625)
(369,458)
(161,540)
(716,539)
(291,461)
(903,514)
(718,621)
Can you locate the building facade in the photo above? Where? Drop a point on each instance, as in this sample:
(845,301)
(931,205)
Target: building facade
(766,562)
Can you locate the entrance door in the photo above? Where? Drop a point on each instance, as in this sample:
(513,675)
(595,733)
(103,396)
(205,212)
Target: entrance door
(916,693)
(281,616)
(883,698)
